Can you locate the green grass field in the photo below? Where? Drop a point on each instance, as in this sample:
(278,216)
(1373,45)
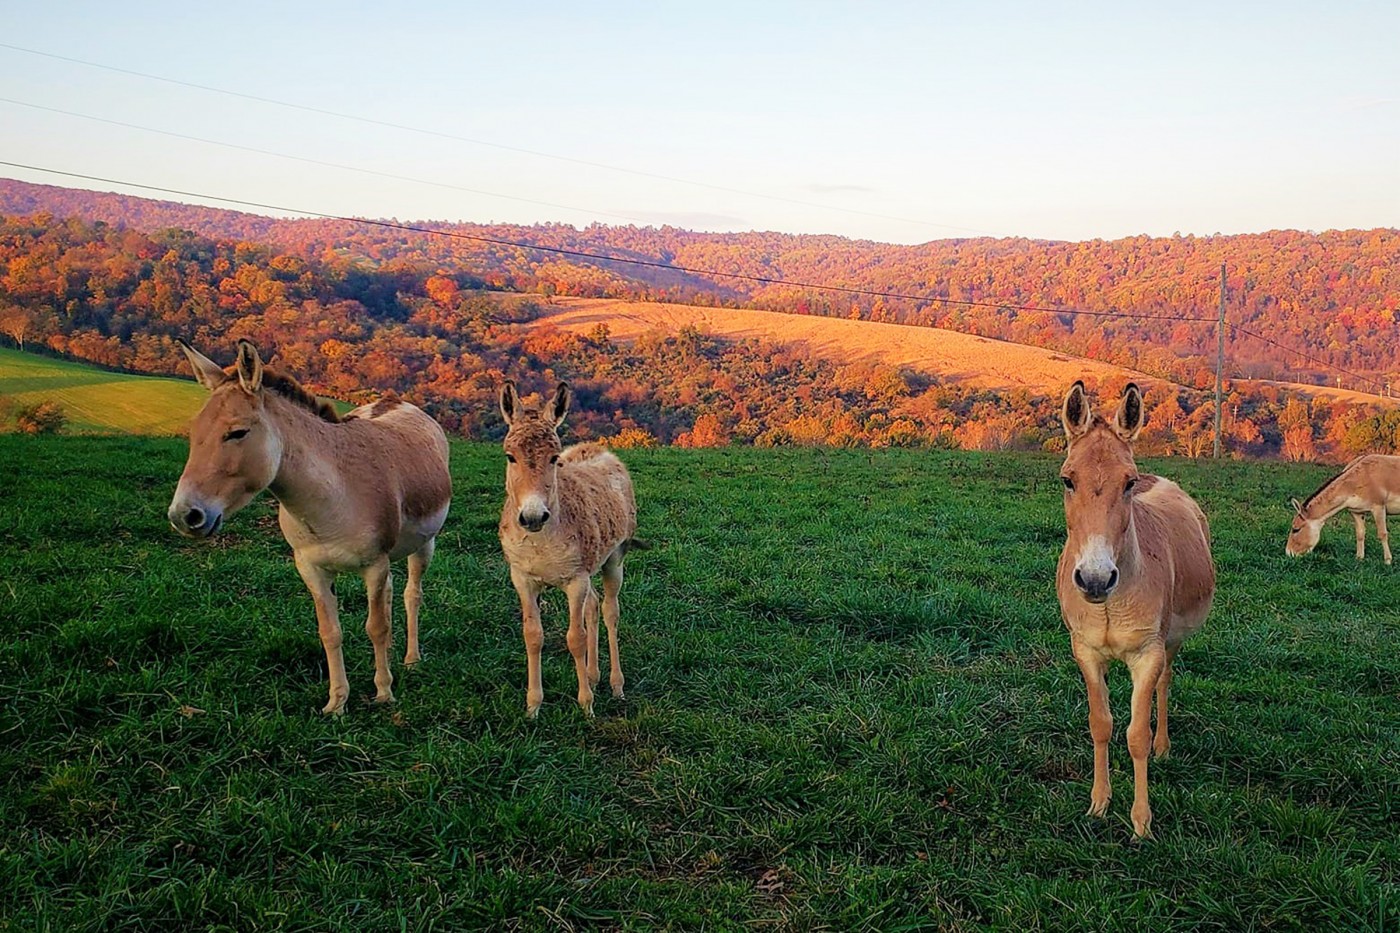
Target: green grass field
(97,401)
(851,706)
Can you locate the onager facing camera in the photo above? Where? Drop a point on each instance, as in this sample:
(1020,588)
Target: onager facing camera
(1134,579)
(355,493)
(568,514)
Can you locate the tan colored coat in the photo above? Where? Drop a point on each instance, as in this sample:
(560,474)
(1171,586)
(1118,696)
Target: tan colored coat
(596,514)
(1369,484)
(354,495)
(1135,578)
(568,515)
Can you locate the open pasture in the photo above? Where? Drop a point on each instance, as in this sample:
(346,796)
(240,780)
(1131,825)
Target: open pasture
(851,705)
(97,401)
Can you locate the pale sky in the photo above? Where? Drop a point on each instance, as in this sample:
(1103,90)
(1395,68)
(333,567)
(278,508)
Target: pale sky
(889,121)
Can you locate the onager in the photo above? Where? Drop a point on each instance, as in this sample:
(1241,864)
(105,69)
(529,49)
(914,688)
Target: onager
(1134,579)
(354,494)
(568,514)
(1370,483)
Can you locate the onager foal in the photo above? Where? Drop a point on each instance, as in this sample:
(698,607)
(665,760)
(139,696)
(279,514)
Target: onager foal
(1370,483)
(567,515)
(354,494)
(1134,579)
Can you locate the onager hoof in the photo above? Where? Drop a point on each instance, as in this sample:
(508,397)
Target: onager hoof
(1142,823)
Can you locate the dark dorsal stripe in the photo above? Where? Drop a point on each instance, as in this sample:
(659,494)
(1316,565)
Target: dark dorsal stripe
(385,405)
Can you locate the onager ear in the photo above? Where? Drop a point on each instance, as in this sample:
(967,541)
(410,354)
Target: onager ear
(560,406)
(510,402)
(206,372)
(1129,420)
(1075,414)
(250,367)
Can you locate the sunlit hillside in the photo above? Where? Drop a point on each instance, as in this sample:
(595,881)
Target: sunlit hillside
(352,313)
(964,358)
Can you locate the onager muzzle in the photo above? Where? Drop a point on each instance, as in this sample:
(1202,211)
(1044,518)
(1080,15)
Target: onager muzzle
(194,520)
(1095,584)
(534,513)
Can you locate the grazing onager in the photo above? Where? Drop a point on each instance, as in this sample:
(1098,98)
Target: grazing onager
(567,515)
(1135,578)
(1370,483)
(355,494)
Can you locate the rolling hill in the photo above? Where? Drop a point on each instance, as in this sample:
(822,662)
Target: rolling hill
(349,310)
(97,401)
(982,362)
(1332,295)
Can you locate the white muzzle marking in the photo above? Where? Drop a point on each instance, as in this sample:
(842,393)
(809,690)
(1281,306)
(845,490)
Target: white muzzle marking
(534,512)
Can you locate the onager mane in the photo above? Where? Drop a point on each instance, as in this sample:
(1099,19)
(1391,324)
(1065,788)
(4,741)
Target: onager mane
(293,391)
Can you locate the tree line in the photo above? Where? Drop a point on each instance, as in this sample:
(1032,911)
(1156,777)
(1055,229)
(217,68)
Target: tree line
(445,334)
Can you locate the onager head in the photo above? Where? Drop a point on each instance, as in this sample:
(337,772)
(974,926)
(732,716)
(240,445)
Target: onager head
(532,454)
(1099,475)
(1304,534)
(235,451)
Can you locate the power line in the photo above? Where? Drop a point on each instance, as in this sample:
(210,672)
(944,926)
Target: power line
(310,161)
(649,263)
(1311,359)
(373,121)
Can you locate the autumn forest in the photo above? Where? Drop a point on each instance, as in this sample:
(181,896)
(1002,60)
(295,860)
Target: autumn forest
(356,310)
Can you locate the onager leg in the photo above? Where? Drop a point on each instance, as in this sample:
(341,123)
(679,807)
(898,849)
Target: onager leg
(534,640)
(1162,742)
(413,596)
(1378,513)
(1146,667)
(1094,668)
(1359,519)
(319,581)
(612,585)
(578,591)
(379,587)
(590,618)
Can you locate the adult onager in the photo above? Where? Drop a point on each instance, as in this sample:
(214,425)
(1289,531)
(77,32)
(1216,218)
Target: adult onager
(354,494)
(1370,483)
(1134,579)
(568,514)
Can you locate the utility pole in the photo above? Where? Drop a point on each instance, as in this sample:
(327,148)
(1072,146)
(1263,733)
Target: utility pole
(1219,359)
